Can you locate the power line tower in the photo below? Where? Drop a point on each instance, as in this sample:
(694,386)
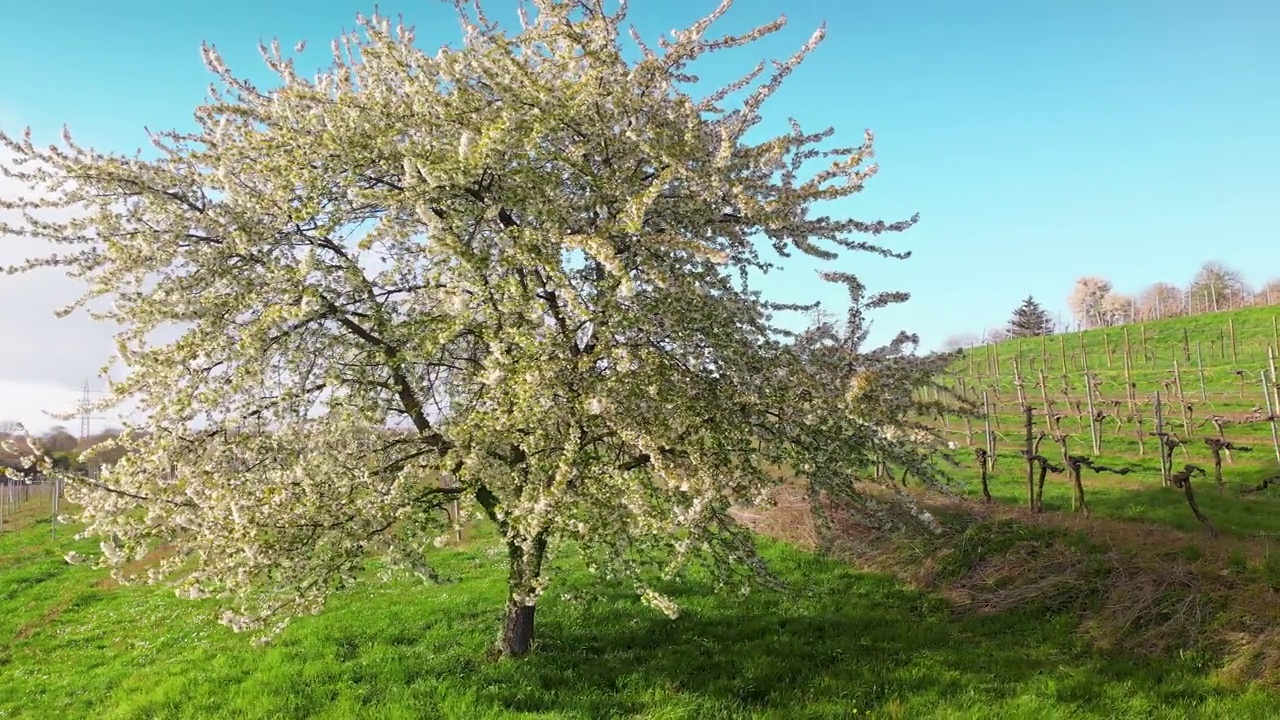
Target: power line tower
(86,410)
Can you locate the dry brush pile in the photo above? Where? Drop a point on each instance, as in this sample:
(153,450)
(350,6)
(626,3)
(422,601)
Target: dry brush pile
(1138,589)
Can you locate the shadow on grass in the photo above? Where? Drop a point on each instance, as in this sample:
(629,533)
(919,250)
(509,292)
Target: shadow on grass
(851,642)
(836,642)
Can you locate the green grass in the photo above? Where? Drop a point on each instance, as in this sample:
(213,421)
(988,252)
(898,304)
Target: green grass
(839,641)
(1194,343)
(1139,496)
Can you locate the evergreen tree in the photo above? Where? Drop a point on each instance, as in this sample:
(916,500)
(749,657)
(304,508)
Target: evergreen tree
(1030,320)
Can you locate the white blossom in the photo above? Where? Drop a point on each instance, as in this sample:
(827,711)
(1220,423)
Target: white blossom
(525,261)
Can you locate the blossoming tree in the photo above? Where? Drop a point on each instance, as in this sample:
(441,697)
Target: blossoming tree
(511,277)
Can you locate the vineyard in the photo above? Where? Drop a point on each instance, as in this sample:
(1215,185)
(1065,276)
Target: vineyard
(1172,421)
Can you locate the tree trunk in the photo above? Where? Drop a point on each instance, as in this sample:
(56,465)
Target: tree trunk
(524,571)
(517,629)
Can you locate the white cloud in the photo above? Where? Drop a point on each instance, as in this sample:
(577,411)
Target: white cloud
(43,359)
(32,403)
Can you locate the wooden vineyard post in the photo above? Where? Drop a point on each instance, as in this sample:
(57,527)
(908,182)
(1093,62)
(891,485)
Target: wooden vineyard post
(1088,394)
(1275,333)
(1137,431)
(968,423)
(1204,395)
(1030,452)
(1128,375)
(941,410)
(991,438)
(1143,330)
(1271,413)
(1095,434)
(54,505)
(1159,433)
(1231,329)
(1106,344)
(449,481)
(1182,399)
(1044,351)
(1062,348)
(1018,384)
(1044,394)
(1275,385)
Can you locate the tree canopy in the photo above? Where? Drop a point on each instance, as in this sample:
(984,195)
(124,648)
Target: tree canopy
(513,274)
(1030,320)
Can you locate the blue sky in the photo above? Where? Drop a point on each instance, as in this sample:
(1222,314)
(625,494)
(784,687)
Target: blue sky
(1039,141)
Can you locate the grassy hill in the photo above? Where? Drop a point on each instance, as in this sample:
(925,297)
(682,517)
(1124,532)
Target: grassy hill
(840,644)
(1209,373)
(1132,612)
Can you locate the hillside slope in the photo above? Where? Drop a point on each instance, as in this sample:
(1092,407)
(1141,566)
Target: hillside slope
(1095,394)
(839,643)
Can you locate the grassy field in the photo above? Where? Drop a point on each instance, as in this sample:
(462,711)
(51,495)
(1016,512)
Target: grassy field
(1204,367)
(1132,613)
(839,644)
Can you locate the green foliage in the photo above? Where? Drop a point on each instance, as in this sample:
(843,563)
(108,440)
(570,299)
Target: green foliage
(847,642)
